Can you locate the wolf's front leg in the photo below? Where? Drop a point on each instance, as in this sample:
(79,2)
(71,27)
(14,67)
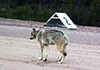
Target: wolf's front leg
(42,47)
(46,53)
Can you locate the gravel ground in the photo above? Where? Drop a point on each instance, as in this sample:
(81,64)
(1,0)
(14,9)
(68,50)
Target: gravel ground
(17,52)
(22,54)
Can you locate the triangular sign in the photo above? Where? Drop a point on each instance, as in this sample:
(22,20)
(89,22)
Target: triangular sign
(60,20)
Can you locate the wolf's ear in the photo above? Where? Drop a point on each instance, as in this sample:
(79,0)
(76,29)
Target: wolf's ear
(34,29)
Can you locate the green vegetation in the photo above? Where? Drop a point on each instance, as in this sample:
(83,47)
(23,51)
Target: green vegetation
(82,12)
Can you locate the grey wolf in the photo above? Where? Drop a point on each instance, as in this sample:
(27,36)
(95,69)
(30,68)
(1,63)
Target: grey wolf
(51,37)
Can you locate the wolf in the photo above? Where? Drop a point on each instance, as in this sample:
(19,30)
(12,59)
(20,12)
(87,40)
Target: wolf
(50,37)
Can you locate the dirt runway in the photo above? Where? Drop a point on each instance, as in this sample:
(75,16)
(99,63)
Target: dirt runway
(17,52)
(22,54)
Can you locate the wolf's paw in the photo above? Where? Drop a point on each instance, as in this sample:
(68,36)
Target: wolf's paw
(40,58)
(44,60)
(60,62)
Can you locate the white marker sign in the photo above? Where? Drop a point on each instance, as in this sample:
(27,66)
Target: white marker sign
(63,17)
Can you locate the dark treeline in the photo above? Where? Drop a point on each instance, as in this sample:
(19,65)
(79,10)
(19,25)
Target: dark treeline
(82,12)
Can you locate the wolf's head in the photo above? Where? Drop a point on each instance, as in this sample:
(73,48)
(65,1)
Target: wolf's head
(33,34)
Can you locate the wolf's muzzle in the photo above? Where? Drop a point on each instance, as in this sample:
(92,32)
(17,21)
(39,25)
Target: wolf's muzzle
(31,38)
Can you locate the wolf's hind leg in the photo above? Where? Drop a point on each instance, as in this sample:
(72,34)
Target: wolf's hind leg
(59,49)
(61,46)
(63,51)
(63,57)
(42,47)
